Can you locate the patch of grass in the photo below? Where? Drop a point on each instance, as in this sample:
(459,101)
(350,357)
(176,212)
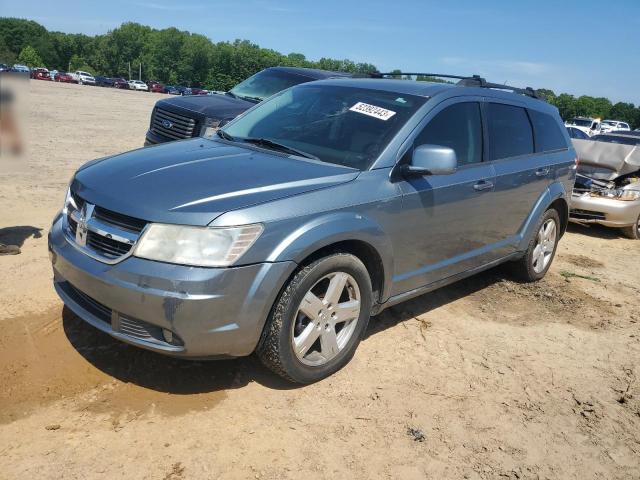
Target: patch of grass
(567,274)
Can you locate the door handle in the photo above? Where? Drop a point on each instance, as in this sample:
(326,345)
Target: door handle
(483,185)
(542,172)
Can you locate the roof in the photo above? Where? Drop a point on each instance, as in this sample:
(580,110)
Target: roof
(408,87)
(314,73)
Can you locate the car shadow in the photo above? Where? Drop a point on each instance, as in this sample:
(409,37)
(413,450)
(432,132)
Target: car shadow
(165,374)
(594,230)
(438,298)
(161,373)
(18,235)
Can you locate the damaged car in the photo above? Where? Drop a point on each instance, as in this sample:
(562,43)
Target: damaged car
(607,188)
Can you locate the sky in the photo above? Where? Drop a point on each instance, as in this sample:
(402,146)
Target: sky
(581,47)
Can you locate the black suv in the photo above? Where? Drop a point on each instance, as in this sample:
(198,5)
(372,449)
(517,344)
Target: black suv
(198,115)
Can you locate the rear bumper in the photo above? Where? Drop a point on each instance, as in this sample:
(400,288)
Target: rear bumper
(604,211)
(215,312)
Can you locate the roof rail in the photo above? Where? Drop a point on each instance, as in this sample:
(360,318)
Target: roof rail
(465,81)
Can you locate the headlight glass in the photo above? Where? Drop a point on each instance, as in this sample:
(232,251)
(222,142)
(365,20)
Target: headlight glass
(198,246)
(619,194)
(209,127)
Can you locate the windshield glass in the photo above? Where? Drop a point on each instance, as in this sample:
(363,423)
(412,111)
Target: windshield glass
(265,83)
(616,139)
(580,122)
(342,125)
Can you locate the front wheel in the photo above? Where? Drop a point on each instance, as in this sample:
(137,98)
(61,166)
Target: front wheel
(541,250)
(318,320)
(632,231)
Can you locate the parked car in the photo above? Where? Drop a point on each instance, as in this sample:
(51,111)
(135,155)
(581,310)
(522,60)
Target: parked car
(590,126)
(104,81)
(138,85)
(327,203)
(40,74)
(171,90)
(64,77)
(183,90)
(4,67)
(83,78)
(21,69)
(155,87)
(607,189)
(577,133)
(608,126)
(198,91)
(178,118)
(121,83)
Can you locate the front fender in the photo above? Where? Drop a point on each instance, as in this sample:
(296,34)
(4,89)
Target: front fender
(553,192)
(332,228)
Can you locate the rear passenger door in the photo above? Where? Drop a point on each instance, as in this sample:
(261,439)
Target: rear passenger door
(524,146)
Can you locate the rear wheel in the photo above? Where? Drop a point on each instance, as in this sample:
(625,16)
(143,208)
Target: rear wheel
(632,231)
(318,320)
(541,250)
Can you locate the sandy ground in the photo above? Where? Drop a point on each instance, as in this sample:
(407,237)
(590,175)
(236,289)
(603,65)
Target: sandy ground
(484,379)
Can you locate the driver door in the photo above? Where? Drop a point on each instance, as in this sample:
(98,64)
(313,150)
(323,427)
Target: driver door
(447,221)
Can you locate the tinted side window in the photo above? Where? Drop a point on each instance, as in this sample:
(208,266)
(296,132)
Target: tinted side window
(459,127)
(548,134)
(510,131)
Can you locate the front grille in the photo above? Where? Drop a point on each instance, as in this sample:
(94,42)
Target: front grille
(181,125)
(119,220)
(586,215)
(138,329)
(110,236)
(106,246)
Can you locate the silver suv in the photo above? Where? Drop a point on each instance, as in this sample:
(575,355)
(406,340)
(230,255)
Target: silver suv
(309,213)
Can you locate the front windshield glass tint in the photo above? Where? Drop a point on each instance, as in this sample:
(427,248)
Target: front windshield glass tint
(580,122)
(266,83)
(616,139)
(343,125)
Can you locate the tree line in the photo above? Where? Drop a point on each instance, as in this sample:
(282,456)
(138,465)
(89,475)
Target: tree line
(174,56)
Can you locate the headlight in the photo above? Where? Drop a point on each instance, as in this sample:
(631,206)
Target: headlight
(209,127)
(619,194)
(199,246)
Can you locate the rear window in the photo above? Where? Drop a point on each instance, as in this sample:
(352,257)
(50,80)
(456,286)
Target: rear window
(510,133)
(548,135)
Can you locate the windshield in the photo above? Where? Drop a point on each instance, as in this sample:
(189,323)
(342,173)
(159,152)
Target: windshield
(616,139)
(580,122)
(265,83)
(342,125)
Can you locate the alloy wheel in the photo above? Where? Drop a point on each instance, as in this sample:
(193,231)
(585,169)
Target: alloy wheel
(545,246)
(326,319)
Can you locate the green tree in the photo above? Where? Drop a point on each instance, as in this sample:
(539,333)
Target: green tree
(30,57)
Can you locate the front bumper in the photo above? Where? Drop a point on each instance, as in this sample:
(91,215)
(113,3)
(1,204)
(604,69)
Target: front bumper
(605,211)
(215,312)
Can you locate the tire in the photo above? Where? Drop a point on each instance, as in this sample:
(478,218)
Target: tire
(325,342)
(632,231)
(532,266)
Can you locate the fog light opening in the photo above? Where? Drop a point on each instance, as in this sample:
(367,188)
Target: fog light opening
(171,337)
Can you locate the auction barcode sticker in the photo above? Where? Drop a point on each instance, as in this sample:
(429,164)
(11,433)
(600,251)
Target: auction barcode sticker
(373,111)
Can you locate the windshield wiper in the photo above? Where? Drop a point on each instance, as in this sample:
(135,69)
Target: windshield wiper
(250,99)
(231,94)
(265,142)
(225,135)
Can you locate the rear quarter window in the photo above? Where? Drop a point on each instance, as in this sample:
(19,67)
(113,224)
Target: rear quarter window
(547,131)
(510,133)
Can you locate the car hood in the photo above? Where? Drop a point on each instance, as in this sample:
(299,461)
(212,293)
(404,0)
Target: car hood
(606,161)
(220,107)
(194,181)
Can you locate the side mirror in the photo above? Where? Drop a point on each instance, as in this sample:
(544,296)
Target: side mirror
(432,160)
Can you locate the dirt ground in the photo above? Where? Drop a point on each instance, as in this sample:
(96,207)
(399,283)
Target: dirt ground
(486,379)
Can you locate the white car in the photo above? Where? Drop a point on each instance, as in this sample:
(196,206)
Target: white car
(590,126)
(83,78)
(138,85)
(614,126)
